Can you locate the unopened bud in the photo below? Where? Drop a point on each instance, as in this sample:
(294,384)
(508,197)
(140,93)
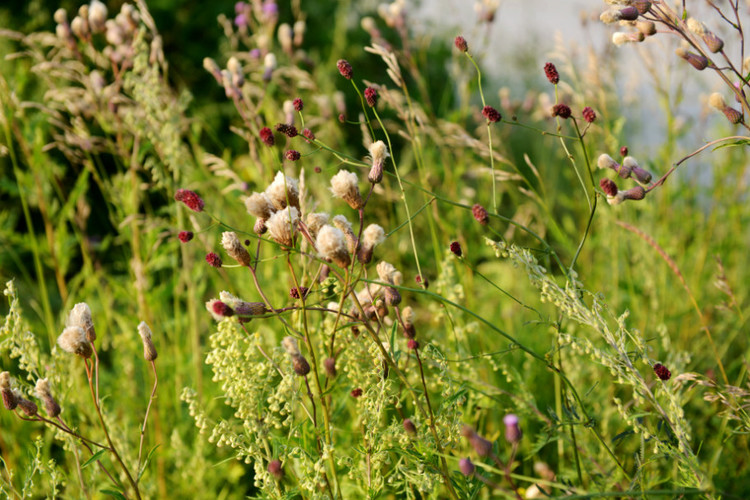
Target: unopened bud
(300,365)
(466,467)
(409,427)
(276,470)
(329,364)
(28,407)
(392,296)
(513,432)
(697,61)
(149,351)
(10,400)
(44,393)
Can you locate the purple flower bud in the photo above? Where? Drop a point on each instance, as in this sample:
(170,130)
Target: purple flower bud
(513,432)
(466,467)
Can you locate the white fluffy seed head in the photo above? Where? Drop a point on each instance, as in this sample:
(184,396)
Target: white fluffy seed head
(717,101)
(97,16)
(407,315)
(258,205)
(344,185)
(73,340)
(234,248)
(630,162)
(386,271)
(373,235)
(315,221)
(606,161)
(610,16)
(378,152)
(282,191)
(331,244)
(80,316)
(696,27)
(269,62)
(282,226)
(290,346)
(5,380)
(42,389)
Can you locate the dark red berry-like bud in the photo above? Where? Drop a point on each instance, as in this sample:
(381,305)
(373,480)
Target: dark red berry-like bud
(412,344)
(456,248)
(185,236)
(461,44)
(222,309)
(288,130)
(274,468)
(213,259)
(342,118)
(356,392)
(371,96)
(589,115)
(292,155)
(422,281)
(295,292)
(190,199)
(552,75)
(480,214)
(624,151)
(561,110)
(662,371)
(330,366)
(308,134)
(298,104)
(491,114)
(629,14)
(345,68)
(608,186)
(300,366)
(409,427)
(317,170)
(466,467)
(266,135)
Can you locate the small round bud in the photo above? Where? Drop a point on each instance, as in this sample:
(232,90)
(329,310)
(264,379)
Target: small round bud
(460,43)
(28,407)
(298,104)
(300,365)
(608,186)
(149,351)
(455,248)
(371,97)
(266,135)
(288,130)
(185,236)
(190,199)
(392,296)
(412,344)
(551,72)
(300,292)
(624,151)
(480,214)
(491,114)
(513,432)
(329,364)
(409,427)
(292,155)
(589,115)
(662,372)
(213,260)
(561,110)
(276,470)
(466,467)
(345,68)
(356,393)
(308,134)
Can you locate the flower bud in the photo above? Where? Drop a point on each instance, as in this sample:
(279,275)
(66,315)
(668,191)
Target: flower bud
(149,351)
(551,73)
(466,467)
(392,296)
(10,400)
(300,365)
(513,432)
(608,186)
(662,372)
(73,340)
(28,407)
(409,427)
(80,316)
(460,43)
(480,214)
(233,246)
(44,393)
(329,364)
(698,61)
(344,185)
(276,470)
(378,153)
(345,68)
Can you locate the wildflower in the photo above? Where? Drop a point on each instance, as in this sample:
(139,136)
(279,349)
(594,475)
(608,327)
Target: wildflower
(259,205)
(466,467)
(648,28)
(455,247)
(513,432)
(481,446)
(331,244)
(620,38)
(234,248)
(275,469)
(344,186)
(308,134)
(412,344)
(73,340)
(149,351)
(288,130)
(356,393)
(282,191)
(717,101)
(314,222)
(28,407)
(185,236)
(292,155)
(561,110)
(491,114)
(240,307)
(480,214)
(282,226)
(608,186)
(44,393)
(10,400)
(641,175)
(266,135)
(329,364)
(378,153)
(298,104)
(409,427)
(461,44)
(260,226)
(551,72)
(97,16)
(373,235)
(623,151)
(219,310)
(697,61)
(392,296)
(634,193)
(606,161)
(300,365)
(371,97)
(388,273)
(589,115)
(213,260)
(345,68)
(643,6)
(190,199)
(80,316)
(662,372)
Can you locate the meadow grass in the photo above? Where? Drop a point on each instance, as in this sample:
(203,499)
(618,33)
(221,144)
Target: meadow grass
(361,270)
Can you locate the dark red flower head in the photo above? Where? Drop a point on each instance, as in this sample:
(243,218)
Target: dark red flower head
(589,115)
(608,186)
(345,68)
(356,392)
(480,214)
(295,292)
(288,130)
(461,43)
(298,104)
(190,199)
(185,236)
(213,259)
(552,75)
(222,309)
(662,372)
(371,96)
(624,151)
(456,248)
(491,114)
(266,135)
(292,155)
(412,344)
(308,134)
(561,110)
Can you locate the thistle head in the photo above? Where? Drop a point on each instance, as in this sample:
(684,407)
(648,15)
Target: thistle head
(80,315)
(331,244)
(234,248)
(73,340)
(344,185)
(149,351)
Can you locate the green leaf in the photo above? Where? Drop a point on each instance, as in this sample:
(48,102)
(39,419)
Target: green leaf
(94,458)
(114,493)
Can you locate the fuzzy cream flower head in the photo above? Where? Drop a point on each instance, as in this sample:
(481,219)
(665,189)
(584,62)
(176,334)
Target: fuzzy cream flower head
(258,205)
(606,161)
(344,185)
(696,27)
(331,244)
(717,101)
(407,315)
(241,307)
(97,16)
(315,221)
(5,381)
(343,223)
(234,248)
(373,235)
(378,153)
(73,340)
(282,190)
(42,389)
(388,273)
(149,351)
(80,316)
(291,347)
(610,16)
(282,226)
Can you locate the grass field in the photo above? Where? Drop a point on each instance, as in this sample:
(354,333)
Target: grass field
(345,263)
